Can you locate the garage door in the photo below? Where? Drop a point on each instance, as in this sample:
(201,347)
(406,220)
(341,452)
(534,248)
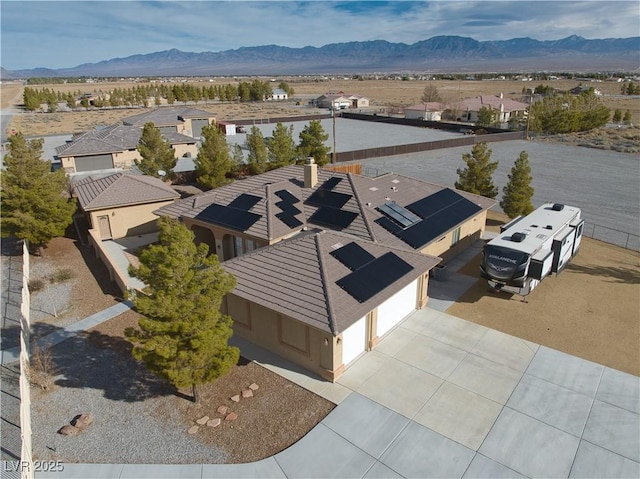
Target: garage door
(197,126)
(354,341)
(93,162)
(396,308)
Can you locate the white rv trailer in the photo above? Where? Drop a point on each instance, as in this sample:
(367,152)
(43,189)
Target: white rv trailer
(531,247)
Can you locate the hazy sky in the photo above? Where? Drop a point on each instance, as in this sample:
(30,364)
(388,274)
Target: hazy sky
(59,34)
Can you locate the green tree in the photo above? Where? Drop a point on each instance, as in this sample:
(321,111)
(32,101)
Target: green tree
(617,115)
(626,119)
(238,166)
(486,116)
(157,154)
(431,94)
(35,205)
(568,113)
(477,176)
(213,163)
(182,338)
(282,146)
(312,138)
(258,155)
(517,193)
(287,88)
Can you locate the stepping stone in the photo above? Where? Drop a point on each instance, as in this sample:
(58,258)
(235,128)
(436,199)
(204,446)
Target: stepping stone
(193,429)
(247,393)
(223,409)
(203,420)
(232,416)
(214,422)
(254,387)
(235,398)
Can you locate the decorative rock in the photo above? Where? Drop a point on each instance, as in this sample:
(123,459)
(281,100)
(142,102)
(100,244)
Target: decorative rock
(232,416)
(213,422)
(69,430)
(254,387)
(202,420)
(247,393)
(193,429)
(81,421)
(223,409)
(235,398)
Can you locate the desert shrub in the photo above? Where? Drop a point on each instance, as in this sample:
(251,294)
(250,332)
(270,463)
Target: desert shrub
(62,275)
(35,284)
(42,369)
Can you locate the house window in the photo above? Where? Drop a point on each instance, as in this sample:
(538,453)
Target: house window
(242,246)
(455,237)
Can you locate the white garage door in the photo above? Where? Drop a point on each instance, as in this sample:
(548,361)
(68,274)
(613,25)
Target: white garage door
(397,307)
(354,341)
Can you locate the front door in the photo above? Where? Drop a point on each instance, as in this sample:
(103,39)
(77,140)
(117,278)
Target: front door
(104,227)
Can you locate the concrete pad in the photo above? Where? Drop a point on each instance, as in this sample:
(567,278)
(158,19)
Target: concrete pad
(266,468)
(336,393)
(400,387)
(395,341)
(565,370)
(380,471)
(482,468)
(553,405)
(620,389)
(529,446)
(366,424)
(460,415)
(82,471)
(443,293)
(420,320)
(432,356)
(487,378)
(322,453)
(505,349)
(420,452)
(456,332)
(362,369)
(594,462)
(153,471)
(615,429)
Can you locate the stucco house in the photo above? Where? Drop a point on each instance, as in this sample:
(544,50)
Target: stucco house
(114,147)
(429,111)
(504,108)
(341,101)
(278,94)
(327,262)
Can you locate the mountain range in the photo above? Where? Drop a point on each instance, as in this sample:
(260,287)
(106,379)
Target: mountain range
(436,55)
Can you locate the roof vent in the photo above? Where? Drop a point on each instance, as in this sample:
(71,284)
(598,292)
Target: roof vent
(548,227)
(518,237)
(557,207)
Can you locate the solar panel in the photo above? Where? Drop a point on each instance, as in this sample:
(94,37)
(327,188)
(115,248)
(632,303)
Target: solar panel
(331,183)
(289,220)
(245,202)
(389,225)
(231,217)
(322,197)
(287,196)
(288,208)
(434,203)
(399,214)
(353,256)
(333,218)
(374,277)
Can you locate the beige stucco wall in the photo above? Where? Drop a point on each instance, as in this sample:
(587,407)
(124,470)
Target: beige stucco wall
(125,159)
(129,220)
(181,150)
(469,231)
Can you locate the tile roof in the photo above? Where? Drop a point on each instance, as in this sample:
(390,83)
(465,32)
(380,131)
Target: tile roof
(429,106)
(121,189)
(167,116)
(491,101)
(309,291)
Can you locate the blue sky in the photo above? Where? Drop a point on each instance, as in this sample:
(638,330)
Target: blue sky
(59,34)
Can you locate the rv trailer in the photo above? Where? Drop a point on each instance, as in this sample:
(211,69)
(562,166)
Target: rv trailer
(531,247)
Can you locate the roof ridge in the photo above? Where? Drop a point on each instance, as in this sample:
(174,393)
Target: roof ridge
(323,275)
(356,195)
(267,192)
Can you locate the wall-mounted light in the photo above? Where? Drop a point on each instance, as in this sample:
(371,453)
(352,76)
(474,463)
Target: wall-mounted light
(326,342)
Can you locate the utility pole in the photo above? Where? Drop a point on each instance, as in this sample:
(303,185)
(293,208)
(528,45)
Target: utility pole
(333,114)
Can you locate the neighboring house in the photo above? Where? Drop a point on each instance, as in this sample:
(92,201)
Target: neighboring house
(115,147)
(278,94)
(430,111)
(504,108)
(584,89)
(341,101)
(327,262)
(122,204)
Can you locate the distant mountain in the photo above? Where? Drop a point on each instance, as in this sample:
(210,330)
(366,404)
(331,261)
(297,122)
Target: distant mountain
(437,54)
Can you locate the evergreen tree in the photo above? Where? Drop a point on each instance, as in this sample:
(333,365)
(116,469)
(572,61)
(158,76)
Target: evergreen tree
(626,119)
(282,146)
(517,194)
(312,138)
(213,163)
(183,337)
(34,202)
(477,176)
(486,116)
(617,115)
(431,94)
(257,151)
(157,154)
(238,165)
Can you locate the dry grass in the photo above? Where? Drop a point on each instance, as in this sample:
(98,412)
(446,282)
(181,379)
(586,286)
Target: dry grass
(42,368)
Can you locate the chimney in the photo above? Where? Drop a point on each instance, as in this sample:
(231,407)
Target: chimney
(310,173)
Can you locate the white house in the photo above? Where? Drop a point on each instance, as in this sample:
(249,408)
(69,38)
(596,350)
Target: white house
(430,111)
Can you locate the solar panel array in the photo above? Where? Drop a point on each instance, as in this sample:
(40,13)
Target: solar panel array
(399,214)
(233,218)
(438,213)
(323,197)
(353,256)
(333,217)
(245,202)
(288,210)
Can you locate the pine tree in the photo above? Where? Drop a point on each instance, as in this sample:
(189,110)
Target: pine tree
(157,154)
(182,338)
(312,139)
(35,205)
(477,176)
(617,116)
(257,151)
(626,119)
(213,163)
(431,94)
(282,146)
(517,194)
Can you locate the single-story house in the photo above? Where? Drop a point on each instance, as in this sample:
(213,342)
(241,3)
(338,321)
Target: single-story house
(429,111)
(504,108)
(278,94)
(341,101)
(327,262)
(183,120)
